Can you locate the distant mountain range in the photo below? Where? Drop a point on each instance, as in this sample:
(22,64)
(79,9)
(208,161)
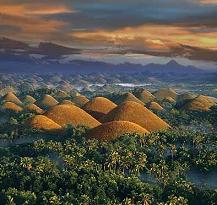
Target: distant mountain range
(18,57)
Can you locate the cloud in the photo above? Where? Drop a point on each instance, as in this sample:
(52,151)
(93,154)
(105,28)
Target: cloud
(49,10)
(157,40)
(151,36)
(208,1)
(29,18)
(29,28)
(157,27)
(34,9)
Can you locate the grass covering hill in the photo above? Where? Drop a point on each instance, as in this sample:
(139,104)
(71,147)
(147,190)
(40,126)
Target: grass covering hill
(165,93)
(67,102)
(128,97)
(113,130)
(47,101)
(71,115)
(10,106)
(186,96)
(170,100)
(154,106)
(34,108)
(11,97)
(98,107)
(200,103)
(28,100)
(80,100)
(144,95)
(61,94)
(42,122)
(136,113)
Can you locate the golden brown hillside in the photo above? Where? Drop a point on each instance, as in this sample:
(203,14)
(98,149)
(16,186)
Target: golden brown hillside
(29,100)
(129,97)
(62,94)
(98,107)
(10,106)
(186,96)
(112,130)
(11,97)
(47,101)
(164,93)
(154,106)
(71,115)
(34,108)
(42,122)
(144,95)
(134,112)
(170,100)
(67,102)
(80,100)
(200,103)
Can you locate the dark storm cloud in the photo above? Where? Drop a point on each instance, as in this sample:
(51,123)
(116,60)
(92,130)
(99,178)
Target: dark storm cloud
(8,29)
(157,27)
(121,13)
(185,51)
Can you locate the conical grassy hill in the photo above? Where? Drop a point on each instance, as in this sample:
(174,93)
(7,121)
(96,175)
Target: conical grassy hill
(80,100)
(134,112)
(112,130)
(128,97)
(154,106)
(11,97)
(42,122)
(164,93)
(71,115)
(98,107)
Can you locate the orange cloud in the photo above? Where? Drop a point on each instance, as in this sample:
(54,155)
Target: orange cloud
(27,9)
(30,28)
(16,10)
(48,10)
(208,1)
(154,37)
(28,19)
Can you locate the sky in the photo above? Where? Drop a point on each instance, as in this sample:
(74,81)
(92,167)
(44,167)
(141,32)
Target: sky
(118,30)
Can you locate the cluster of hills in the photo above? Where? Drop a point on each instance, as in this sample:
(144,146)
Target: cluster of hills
(107,119)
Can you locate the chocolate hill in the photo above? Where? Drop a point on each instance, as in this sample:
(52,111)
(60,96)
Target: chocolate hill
(62,94)
(164,93)
(169,100)
(186,96)
(154,106)
(80,100)
(11,97)
(10,106)
(135,112)
(42,122)
(128,97)
(67,102)
(34,108)
(47,101)
(71,115)
(112,130)
(144,95)
(29,100)
(200,103)
(98,107)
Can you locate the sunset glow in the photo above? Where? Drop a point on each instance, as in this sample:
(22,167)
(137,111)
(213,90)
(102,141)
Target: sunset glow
(149,27)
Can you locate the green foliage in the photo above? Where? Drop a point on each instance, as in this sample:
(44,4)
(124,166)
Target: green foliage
(129,170)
